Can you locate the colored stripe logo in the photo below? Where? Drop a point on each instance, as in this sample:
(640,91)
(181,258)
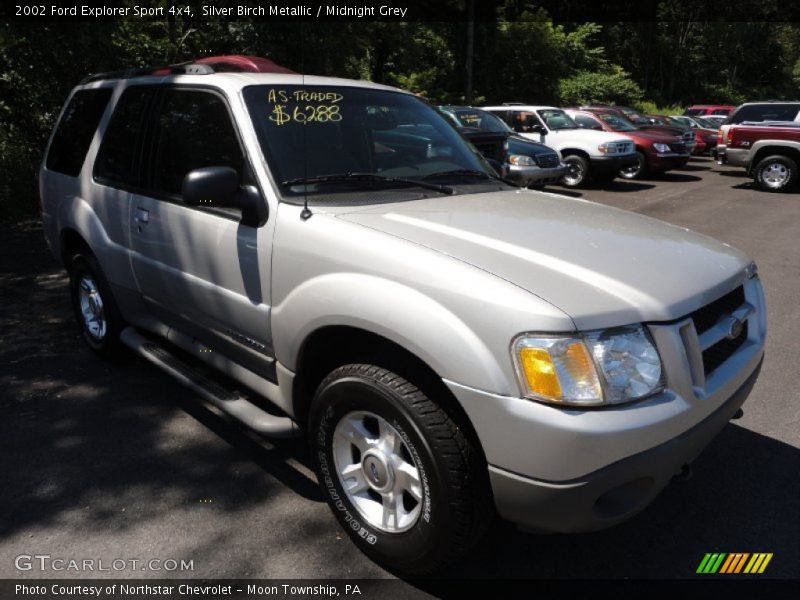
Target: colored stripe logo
(734,562)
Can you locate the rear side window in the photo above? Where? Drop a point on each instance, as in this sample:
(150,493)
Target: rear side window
(194,131)
(116,162)
(75,131)
(721,111)
(766,112)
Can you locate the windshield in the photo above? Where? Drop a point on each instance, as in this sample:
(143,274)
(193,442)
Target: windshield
(363,137)
(481,119)
(617,123)
(557,119)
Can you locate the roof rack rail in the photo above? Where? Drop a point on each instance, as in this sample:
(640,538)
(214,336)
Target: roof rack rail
(513,104)
(203,66)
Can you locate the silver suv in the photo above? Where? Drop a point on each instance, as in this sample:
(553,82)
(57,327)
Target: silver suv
(330,257)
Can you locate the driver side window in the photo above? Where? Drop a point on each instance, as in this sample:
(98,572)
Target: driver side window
(523,122)
(194,131)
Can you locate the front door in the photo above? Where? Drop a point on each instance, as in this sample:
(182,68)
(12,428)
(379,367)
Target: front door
(200,269)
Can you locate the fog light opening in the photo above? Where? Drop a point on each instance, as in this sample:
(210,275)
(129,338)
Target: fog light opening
(625,498)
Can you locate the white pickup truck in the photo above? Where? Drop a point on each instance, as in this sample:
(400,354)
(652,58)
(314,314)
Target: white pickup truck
(589,154)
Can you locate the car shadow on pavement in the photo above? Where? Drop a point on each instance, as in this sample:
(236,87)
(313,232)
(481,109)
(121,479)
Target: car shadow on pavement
(693,167)
(739,173)
(622,185)
(81,438)
(671,177)
(744,496)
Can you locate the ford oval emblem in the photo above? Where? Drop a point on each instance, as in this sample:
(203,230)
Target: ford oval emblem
(735,329)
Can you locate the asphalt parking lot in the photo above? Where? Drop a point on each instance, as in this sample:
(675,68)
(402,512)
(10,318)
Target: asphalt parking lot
(106,461)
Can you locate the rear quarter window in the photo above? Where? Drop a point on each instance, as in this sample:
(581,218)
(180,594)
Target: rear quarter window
(75,131)
(116,161)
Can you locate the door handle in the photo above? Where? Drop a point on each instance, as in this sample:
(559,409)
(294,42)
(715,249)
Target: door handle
(142,216)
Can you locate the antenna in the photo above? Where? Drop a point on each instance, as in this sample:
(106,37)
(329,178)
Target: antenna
(306,213)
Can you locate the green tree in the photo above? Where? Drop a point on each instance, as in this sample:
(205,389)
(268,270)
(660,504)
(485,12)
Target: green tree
(613,86)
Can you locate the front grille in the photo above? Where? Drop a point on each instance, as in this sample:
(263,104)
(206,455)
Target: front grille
(547,161)
(678,147)
(706,317)
(717,354)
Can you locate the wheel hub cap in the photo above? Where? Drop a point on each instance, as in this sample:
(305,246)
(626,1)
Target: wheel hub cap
(775,175)
(377,471)
(91,306)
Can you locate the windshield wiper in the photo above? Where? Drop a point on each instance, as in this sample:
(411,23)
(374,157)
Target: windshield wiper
(467,173)
(373,177)
(464,172)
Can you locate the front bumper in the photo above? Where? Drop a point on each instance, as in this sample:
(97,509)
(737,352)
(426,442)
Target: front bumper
(665,161)
(612,494)
(525,176)
(608,463)
(602,165)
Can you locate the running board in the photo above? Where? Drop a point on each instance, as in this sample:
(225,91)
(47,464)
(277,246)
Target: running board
(228,401)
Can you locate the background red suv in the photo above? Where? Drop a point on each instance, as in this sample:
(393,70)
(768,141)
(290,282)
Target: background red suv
(656,151)
(698,110)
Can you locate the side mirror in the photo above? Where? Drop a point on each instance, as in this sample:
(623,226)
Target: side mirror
(219,187)
(538,129)
(211,186)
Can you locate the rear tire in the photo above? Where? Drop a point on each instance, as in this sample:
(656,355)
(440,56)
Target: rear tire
(577,171)
(775,173)
(96,311)
(417,496)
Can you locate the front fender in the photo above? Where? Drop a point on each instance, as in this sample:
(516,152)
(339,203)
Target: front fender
(394,311)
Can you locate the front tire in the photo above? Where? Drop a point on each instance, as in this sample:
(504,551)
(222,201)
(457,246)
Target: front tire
(635,171)
(403,480)
(96,311)
(577,171)
(775,173)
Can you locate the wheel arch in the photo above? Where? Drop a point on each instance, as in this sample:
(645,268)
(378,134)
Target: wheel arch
(763,151)
(71,242)
(332,346)
(572,151)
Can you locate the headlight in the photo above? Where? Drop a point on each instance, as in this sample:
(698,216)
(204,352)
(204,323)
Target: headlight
(608,148)
(521,160)
(598,367)
(661,147)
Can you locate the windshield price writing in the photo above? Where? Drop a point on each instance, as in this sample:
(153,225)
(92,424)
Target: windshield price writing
(304,107)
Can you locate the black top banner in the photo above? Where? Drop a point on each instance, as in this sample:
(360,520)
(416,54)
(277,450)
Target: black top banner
(565,11)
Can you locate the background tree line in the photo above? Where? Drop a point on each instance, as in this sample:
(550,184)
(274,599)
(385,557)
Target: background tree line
(518,53)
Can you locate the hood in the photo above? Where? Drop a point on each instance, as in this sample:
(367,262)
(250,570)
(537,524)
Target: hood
(602,266)
(518,145)
(655,135)
(589,135)
(666,129)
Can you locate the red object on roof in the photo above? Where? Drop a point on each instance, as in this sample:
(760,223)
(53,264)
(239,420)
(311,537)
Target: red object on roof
(235,63)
